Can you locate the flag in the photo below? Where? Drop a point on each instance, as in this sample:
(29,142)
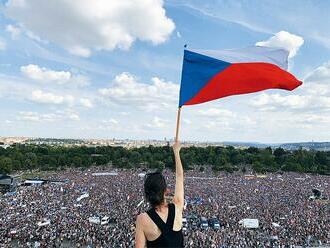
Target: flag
(208,75)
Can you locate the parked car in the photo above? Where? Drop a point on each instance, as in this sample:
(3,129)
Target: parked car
(192,221)
(214,223)
(203,223)
(184,225)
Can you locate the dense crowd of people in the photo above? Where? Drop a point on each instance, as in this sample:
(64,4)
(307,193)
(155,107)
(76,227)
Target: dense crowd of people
(56,215)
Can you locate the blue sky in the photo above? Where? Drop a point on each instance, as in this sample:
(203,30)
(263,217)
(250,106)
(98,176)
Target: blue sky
(111,69)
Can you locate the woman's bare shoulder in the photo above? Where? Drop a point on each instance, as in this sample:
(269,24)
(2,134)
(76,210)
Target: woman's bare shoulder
(142,218)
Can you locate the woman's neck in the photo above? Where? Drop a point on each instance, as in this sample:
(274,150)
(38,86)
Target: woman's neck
(161,206)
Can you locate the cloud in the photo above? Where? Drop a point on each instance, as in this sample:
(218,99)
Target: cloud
(213,112)
(40,96)
(277,102)
(87,103)
(2,44)
(13,30)
(42,74)
(74,117)
(109,124)
(291,101)
(18,90)
(45,75)
(317,89)
(283,39)
(157,123)
(83,26)
(48,117)
(320,75)
(126,89)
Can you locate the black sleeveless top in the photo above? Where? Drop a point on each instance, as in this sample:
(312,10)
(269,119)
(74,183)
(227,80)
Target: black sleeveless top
(168,237)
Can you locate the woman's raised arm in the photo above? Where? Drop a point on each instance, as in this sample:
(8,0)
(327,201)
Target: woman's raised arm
(179,189)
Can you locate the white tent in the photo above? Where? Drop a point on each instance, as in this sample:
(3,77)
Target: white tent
(142,175)
(94,220)
(105,174)
(249,223)
(85,195)
(34,182)
(105,220)
(45,222)
(275,224)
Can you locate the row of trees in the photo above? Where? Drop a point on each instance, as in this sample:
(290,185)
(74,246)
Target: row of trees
(28,157)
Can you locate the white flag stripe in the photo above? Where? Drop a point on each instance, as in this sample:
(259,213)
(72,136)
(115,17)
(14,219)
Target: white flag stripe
(277,56)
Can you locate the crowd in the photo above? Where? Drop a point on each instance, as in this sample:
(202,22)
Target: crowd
(51,215)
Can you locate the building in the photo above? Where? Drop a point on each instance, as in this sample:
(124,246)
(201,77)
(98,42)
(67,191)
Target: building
(7,183)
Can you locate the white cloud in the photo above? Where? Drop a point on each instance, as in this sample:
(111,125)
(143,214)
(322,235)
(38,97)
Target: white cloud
(40,96)
(213,112)
(186,121)
(42,74)
(74,117)
(317,89)
(110,122)
(268,102)
(210,125)
(13,30)
(157,123)
(28,116)
(2,44)
(320,75)
(126,89)
(87,103)
(87,25)
(292,101)
(48,117)
(283,39)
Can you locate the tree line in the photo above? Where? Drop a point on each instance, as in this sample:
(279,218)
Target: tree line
(29,157)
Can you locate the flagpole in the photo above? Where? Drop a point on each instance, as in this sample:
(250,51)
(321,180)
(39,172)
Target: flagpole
(178,117)
(177,125)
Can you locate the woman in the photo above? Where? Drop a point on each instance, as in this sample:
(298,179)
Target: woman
(161,226)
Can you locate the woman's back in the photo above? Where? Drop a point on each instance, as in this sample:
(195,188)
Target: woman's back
(169,235)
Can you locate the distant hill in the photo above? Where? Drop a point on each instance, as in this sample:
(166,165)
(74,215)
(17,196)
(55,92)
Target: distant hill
(318,146)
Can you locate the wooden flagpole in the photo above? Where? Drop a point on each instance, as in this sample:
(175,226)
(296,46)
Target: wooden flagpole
(178,117)
(177,125)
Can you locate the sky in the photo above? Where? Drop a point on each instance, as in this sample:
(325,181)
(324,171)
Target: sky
(112,69)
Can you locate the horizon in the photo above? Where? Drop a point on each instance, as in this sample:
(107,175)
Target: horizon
(165,139)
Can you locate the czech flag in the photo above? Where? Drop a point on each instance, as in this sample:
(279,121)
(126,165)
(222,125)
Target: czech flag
(209,75)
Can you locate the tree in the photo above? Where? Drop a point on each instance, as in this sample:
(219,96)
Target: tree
(6,165)
(321,158)
(31,161)
(258,167)
(159,165)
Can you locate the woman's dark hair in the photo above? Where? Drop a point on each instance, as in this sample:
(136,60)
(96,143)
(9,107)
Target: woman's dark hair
(154,188)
